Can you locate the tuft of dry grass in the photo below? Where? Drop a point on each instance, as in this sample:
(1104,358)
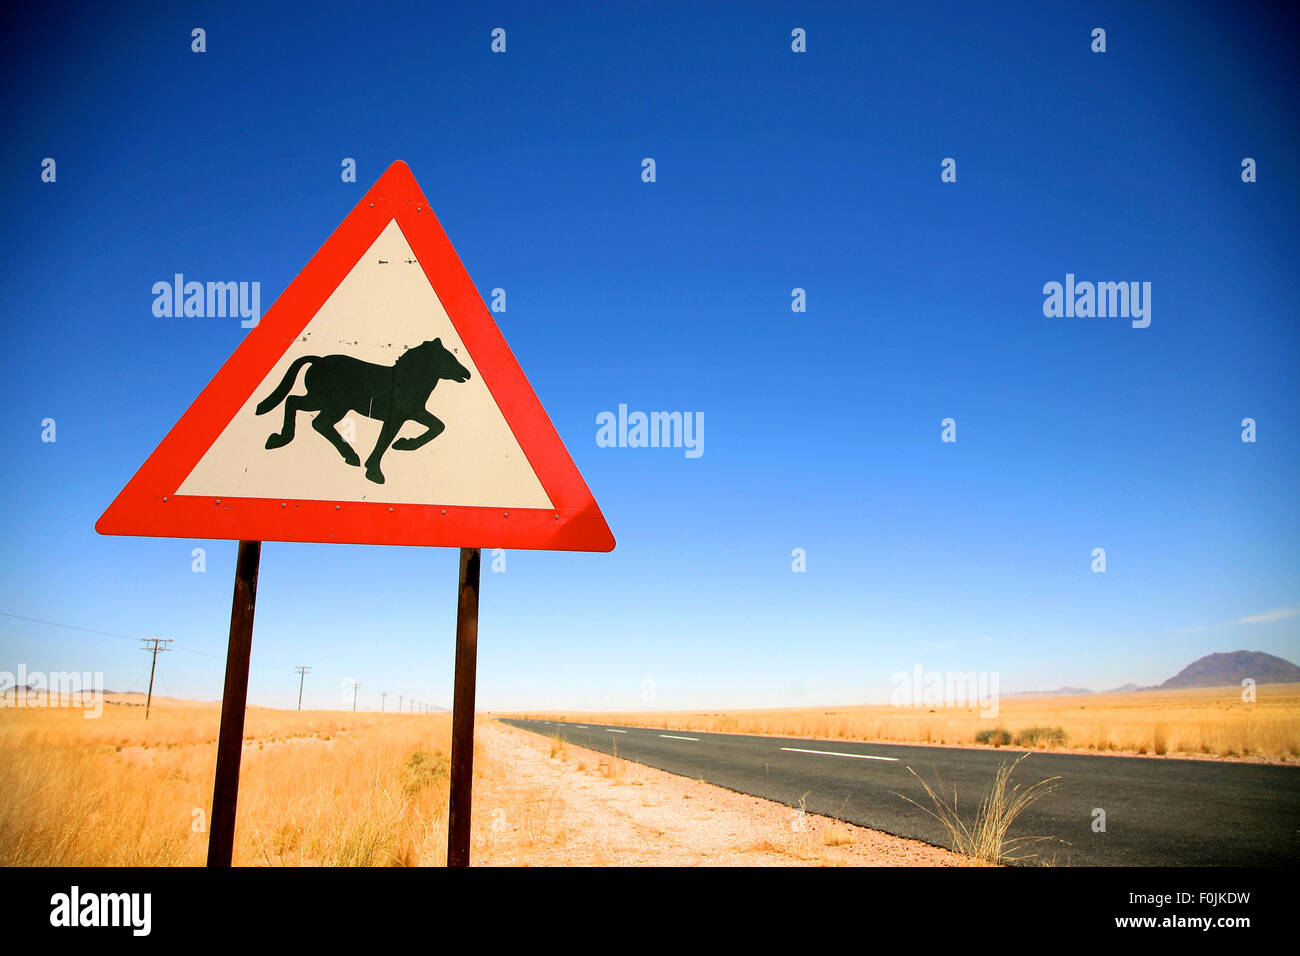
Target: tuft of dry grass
(614,769)
(838,835)
(1160,739)
(986,839)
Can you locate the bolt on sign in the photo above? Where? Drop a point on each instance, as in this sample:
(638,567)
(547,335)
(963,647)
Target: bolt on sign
(375,403)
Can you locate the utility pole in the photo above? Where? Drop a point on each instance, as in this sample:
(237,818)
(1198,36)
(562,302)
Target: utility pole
(382,694)
(302,674)
(355,684)
(155,641)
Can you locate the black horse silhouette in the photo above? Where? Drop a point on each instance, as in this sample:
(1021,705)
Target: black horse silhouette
(392,394)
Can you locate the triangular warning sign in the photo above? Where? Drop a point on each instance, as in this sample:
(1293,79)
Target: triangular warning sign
(376,402)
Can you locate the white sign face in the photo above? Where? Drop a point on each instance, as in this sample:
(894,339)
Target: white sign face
(376,400)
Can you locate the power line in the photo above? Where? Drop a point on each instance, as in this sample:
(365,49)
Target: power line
(91,630)
(402,698)
(71,627)
(128,637)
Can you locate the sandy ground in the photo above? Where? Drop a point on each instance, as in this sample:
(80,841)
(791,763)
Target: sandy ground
(547,805)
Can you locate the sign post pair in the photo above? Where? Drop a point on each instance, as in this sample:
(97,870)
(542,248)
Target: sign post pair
(376,402)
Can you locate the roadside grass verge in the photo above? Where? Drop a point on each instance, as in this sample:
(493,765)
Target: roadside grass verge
(1206,721)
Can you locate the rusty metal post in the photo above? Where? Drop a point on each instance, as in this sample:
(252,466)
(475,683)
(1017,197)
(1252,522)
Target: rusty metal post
(462,717)
(230,740)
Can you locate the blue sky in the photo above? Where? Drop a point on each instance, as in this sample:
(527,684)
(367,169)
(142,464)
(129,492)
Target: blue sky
(775,170)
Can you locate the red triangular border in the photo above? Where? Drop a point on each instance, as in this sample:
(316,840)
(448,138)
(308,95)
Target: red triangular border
(148,505)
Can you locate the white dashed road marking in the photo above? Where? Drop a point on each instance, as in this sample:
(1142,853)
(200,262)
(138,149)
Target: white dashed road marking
(832,753)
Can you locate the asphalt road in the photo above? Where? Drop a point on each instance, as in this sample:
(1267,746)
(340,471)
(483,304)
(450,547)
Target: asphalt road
(1158,811)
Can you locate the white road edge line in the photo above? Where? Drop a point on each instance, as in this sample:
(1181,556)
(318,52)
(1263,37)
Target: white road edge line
(832,753)
(614,731)
(582,726)
(675,737)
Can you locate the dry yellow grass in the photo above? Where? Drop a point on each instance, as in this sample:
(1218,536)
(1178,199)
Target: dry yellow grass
(1212,722)
(342,789)
(316,788)
(329,788)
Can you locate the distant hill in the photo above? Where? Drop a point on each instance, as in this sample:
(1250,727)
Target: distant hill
(1219,670)
(1059,692)
(1212,670)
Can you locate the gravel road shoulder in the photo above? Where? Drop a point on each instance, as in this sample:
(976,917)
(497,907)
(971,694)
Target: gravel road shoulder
(541,803)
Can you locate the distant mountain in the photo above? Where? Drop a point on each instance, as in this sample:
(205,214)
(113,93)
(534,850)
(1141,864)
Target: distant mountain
(1059,692)
(1212,670)
(1220,670)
